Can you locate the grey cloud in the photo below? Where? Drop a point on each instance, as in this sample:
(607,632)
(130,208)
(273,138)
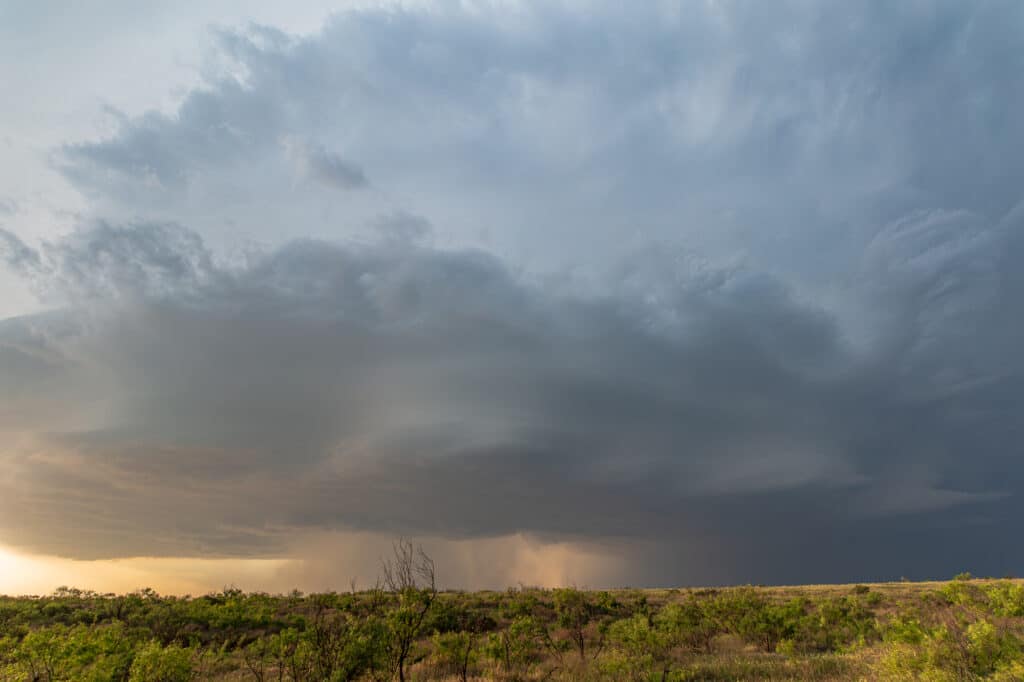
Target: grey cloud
(402,227)
(16,254)
(780,131)
(400,388)
(165,154)
(323,165)
(136,260)
(754,288)
(332,170)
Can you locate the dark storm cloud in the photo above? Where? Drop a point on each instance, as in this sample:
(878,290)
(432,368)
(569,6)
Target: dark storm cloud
(753,288)
(397,388)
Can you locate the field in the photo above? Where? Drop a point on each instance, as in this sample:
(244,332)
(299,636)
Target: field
(964,629)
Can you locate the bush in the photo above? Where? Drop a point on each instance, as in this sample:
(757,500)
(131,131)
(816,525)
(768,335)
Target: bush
(455,652)
(638,648)
(978,651)
(154,663)
(515,647)
(962,593)
(989,648)
(750,616)
(519,604)
(575,611)
(904,629)
(836,624)
(1005,599)
(691,624)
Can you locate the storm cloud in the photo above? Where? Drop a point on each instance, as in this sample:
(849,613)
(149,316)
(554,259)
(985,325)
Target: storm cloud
(727,292)
(200,408)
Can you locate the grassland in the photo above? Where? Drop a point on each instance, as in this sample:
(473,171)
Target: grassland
(964,629)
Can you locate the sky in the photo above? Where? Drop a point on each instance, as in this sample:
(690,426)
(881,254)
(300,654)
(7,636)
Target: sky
(609,294)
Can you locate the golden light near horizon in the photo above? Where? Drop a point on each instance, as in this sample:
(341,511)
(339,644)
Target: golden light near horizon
(323,562)
(22,574)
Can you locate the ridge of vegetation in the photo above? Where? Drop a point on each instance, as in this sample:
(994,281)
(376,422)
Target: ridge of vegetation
(406,629)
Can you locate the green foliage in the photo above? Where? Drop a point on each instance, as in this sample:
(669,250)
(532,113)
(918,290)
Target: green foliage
(905,629)
(340,647)
(1005,599)
(837,624)
(989,648)
(61,652)
(574,611)
(962,593)
(980,650)
(693,624)
(156,663)
(638,648)
(456,652)
(962,630)
(750,616)
(519,603)
(515,647)
(873,599)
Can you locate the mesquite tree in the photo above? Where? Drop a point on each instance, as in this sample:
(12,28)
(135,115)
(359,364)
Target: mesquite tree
(409,579)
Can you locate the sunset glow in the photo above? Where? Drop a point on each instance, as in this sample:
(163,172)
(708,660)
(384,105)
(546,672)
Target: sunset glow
(23,574)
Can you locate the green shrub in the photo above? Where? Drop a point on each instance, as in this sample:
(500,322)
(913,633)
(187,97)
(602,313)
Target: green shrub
(904,629)
(574,611)
(691,624)
(750,616)
(515,647)
(519,604)
(978,651)
(962,593)
(836,624)
(638,648)
(456,652)
(154,663)
(989,648)
(1005,599)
